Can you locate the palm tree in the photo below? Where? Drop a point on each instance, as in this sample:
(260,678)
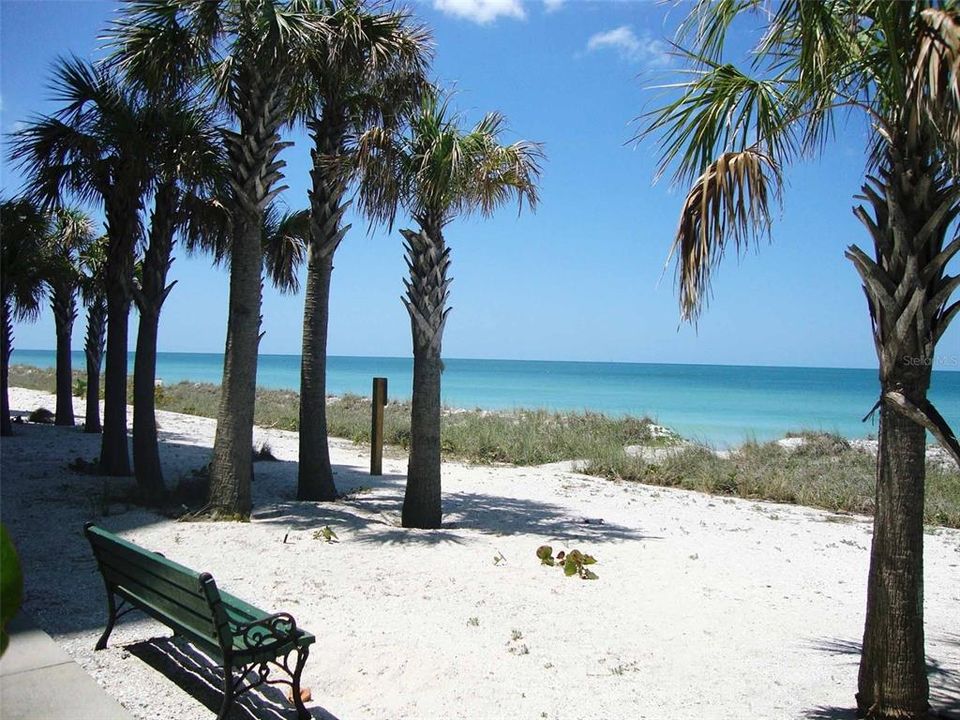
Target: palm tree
(98,148)
(369,68)
(93,291)
(24,232)
(243,48)
(732,130)
(189,159)
(72,233)
(437,172)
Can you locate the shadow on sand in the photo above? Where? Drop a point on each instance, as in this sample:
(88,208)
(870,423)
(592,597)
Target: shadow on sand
(944,682)
(68,591)
(369,509)
(198,676)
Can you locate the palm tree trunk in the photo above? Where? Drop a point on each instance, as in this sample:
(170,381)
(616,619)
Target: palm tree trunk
(64,306)
(314,472)
(146,450)
(93,349)
(150,298)
(231,473)
(893,673)
(114,452)
(123,225)
(254,171)
(913,205)
(427,293)
(6,348)
(422,505)
(315,475)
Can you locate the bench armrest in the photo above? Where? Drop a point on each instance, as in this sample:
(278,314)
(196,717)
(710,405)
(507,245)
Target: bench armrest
(271,630)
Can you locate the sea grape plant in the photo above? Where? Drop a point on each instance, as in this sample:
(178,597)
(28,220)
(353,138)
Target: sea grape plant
(573,562)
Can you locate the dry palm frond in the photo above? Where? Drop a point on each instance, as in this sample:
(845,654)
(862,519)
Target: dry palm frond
(730,200)
(934,82)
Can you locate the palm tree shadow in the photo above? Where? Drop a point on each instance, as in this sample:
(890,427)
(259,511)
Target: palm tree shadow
(371,512)
(944,682)
(198,676)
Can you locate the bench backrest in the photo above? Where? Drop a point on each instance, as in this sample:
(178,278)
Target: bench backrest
(177,596)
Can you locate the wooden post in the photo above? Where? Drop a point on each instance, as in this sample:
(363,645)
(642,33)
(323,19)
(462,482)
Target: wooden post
(376,425)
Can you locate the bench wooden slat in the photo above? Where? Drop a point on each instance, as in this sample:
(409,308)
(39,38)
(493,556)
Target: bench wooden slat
(206,639)
(154,562)
(186,609)
(190,594)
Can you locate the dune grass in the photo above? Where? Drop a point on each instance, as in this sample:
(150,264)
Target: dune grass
(826,471)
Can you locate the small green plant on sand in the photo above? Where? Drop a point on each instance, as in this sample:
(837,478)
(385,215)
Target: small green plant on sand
(79,388)
(573,562)
(264,453)
(326,534)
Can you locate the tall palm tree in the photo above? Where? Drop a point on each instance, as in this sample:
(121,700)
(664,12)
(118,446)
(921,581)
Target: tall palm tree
(98,148)
(367,72)
(72,233)
(730,132)
(93,292)
(188,159)
(24,233)
(436,171)
(242,48)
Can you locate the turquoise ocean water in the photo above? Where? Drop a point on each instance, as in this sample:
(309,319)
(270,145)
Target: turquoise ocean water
(719,404)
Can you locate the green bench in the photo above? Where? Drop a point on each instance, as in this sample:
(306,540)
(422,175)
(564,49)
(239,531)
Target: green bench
(243,638)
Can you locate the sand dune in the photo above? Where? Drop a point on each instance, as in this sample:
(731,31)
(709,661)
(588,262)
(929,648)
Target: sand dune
(705,607)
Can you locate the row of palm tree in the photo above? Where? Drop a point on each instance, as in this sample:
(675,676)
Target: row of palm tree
(56,255)
(730,132)
(184,119)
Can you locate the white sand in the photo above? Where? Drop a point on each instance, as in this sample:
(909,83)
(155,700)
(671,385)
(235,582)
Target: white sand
(705,607)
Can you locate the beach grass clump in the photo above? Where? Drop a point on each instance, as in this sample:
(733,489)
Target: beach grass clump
(536,437)
(828,472)
(33,378)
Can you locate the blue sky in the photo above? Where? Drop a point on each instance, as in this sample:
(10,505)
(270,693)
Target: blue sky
(584,277)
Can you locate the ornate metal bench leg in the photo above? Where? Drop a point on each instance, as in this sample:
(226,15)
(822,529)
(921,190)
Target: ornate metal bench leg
(302,712)
(112,610)
(227,691)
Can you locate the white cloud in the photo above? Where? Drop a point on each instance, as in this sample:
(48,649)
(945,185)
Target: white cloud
(552,5)
(481,11)
(645,49)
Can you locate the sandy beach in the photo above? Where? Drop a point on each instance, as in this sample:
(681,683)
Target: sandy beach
(705,607)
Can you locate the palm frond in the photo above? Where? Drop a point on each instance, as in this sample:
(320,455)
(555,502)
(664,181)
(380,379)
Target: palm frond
(161,44)
(206,226)
(285,236)
(97,142)
(730,201)
(93,268)
(24,238)
(438,171)
(934,77)
(720,108)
